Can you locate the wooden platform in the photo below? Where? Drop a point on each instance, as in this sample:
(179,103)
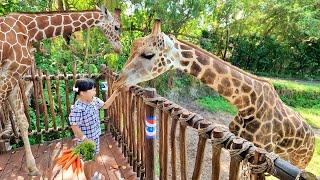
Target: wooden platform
(111,163)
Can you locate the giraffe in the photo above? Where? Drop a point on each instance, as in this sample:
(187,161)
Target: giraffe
(262,117)
(17,33)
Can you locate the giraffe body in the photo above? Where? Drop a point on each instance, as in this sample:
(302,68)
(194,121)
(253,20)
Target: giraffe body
(17,33)
(262,117)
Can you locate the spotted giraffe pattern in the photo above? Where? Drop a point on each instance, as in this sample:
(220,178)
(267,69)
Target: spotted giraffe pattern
(262,117)
(19,30)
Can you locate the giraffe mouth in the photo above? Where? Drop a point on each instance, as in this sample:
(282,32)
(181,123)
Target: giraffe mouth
(119,83)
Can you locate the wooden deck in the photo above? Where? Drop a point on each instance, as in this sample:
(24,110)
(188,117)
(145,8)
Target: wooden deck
(111,163)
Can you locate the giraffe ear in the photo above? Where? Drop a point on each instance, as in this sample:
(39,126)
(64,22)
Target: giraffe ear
(117,12)
(105,12)
(98,8)
(156,27)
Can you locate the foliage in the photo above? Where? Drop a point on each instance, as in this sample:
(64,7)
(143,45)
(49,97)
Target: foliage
(86,148)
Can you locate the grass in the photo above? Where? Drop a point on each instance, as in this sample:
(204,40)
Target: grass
(304,97)
(313,165)
(217,103)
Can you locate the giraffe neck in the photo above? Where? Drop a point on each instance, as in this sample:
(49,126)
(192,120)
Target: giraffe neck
(234,84)
(46,25)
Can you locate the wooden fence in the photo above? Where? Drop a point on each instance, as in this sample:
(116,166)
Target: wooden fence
(134,117)
(154,133)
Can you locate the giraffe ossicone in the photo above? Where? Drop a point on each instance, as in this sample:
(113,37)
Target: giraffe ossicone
(17,33)
(262,117)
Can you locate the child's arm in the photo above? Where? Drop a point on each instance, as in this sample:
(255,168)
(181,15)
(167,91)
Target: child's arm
(77,132)
(110,100)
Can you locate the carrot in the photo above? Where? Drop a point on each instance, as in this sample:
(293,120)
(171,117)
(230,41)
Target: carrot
(78,166)
(69,156)
(63,158)
(70,161)
(74,165)
(66,151)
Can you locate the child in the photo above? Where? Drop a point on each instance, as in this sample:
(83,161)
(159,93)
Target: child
(84,116)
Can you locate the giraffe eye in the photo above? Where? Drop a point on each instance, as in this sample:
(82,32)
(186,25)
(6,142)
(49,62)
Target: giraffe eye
(116,28)
(147,56)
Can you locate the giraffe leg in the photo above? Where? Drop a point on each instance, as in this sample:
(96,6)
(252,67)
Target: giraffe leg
(7,131)
(16,104)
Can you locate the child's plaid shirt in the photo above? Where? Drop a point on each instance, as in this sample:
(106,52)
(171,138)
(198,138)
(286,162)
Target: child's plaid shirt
(86,117)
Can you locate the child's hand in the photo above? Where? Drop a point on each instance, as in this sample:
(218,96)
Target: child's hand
(124,88)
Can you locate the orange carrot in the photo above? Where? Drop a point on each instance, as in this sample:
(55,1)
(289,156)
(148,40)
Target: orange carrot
(74,165)
(66,151)
(69,156)
(63,158)
(70,161)
(78,164)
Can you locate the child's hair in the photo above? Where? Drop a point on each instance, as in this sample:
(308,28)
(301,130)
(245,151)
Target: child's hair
(83,84)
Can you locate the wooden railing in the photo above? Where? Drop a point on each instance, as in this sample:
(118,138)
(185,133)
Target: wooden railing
(51,101)
(154,133)
(139,112)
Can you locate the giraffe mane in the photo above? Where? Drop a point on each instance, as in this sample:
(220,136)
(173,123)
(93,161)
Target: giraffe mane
(54,12)
(224,62)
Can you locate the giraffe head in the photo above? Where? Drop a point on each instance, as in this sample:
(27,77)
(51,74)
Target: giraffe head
(150,56)
(111,27)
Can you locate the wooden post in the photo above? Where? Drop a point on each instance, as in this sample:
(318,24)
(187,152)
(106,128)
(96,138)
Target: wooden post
(150,136)
(258,158)
(235,162)
(216,152)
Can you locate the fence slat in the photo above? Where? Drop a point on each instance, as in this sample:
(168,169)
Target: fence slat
(57,89)
(36,99)
(44,103)
(66,80)
(183,153)
(150,121)
(173,147)
(199,158)
(51,102)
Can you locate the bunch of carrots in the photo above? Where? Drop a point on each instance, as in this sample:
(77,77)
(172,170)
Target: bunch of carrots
(68,158)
